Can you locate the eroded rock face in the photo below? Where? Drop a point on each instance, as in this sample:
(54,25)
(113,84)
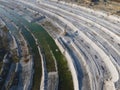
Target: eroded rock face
(108,85)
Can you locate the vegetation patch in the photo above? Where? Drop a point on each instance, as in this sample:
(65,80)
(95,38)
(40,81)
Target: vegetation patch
(47,43)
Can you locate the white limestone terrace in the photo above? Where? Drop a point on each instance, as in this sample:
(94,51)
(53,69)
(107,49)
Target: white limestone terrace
(110,66)
(25,66)
(26,75)
(98,44)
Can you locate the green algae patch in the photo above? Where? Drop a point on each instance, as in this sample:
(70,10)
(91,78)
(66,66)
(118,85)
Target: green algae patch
(48,44)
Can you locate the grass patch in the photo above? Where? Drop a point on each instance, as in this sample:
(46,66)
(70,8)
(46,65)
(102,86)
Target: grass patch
(43,41)
(65,78)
